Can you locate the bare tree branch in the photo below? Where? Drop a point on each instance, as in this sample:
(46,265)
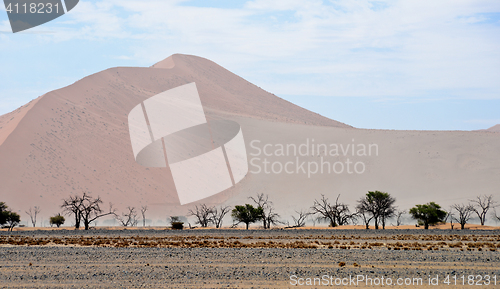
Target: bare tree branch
(85,209)
(143,213)
(481,206)
(300,220)
(218,214)
(33,212)
(464,213)
(337,214)
(263,202)
(399,215)
(128,218)
(203,215)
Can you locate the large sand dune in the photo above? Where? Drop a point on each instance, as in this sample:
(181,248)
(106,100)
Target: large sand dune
(76,138)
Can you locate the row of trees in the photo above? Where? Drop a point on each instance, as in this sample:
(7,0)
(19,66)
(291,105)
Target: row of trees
(9,219)
(86,210)
(375,207)
(209,215)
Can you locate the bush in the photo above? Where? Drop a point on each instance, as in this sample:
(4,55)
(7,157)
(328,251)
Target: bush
(176,223)
(57,220)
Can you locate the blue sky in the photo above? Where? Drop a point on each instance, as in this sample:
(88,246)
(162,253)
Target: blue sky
(395,64)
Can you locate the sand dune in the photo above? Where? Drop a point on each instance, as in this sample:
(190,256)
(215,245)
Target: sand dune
(9,121)
(76,138)
(495,128)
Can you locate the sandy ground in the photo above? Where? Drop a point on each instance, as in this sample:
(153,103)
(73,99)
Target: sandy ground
(241,259)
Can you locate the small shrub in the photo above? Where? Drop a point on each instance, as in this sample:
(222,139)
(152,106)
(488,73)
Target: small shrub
(176,223)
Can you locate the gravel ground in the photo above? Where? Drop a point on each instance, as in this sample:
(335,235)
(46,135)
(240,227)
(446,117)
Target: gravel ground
(75,266)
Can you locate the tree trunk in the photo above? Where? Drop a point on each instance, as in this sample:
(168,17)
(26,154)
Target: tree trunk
(247,225)
(426,226)
(77,221)
(462,226)
(376,224)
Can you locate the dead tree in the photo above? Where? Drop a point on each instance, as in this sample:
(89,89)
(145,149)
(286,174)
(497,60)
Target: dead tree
(300,220)
(143,213)
(72,206)
(399,215)
(365,215)
(272,218)
(33,212)
(263,201)
(337,214)
(129,218)
(203,215)
(464,213)
(218,214)
(481,206)
(497,217)
(92,211)
(450,216)
(86,209)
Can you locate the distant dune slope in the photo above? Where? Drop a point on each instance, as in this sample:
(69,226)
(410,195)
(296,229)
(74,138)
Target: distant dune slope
(495,128)
(76,139)
(9,121)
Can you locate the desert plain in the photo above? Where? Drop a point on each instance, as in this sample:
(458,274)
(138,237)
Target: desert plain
(255,258)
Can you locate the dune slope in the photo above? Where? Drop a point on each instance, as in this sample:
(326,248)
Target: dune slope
(76,139)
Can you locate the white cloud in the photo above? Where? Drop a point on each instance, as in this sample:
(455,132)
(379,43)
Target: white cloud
(387,48)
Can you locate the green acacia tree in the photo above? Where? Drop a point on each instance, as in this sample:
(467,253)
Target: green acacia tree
(247,214)
(428,214)
(3,213)
(13,219)
(8,217)
(379,205)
